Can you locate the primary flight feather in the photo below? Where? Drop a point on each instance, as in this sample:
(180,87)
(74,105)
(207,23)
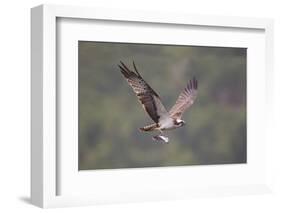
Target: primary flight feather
(152,104)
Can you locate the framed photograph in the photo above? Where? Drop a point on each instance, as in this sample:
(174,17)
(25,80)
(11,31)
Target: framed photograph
(129,106)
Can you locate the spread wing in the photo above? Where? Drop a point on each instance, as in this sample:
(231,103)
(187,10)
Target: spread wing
(185,99)
(149,99)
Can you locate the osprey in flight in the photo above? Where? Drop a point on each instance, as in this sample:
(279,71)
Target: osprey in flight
(152,104)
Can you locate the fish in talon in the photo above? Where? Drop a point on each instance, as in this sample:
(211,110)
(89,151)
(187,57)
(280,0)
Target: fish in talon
(160,138)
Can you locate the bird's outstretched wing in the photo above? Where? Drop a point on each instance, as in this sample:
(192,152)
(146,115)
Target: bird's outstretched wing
(185,99)
(149,99)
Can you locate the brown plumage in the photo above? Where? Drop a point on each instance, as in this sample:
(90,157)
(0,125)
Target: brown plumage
(185,99)
(149,99)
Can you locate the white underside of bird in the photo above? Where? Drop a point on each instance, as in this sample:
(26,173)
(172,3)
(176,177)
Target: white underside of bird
(166,124)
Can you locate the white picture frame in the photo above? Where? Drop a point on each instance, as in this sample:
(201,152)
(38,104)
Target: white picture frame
(45,168)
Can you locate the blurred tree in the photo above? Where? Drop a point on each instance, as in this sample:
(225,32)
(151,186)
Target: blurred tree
(110,115)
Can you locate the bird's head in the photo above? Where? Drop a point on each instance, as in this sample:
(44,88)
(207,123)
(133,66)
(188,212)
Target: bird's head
(180,122)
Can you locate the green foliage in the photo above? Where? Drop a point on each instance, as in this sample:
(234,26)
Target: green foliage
(110,115)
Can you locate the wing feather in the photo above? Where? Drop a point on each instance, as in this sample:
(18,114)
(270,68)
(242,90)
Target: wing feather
(185,99)
(149,99)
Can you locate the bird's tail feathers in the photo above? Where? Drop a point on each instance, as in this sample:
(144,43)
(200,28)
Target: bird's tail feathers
(149,127)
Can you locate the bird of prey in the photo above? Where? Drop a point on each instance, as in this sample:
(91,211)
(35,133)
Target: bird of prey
(151,102)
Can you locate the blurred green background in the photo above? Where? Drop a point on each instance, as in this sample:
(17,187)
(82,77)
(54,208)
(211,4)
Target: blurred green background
(110,114)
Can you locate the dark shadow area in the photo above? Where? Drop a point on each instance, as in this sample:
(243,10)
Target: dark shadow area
(26,200)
